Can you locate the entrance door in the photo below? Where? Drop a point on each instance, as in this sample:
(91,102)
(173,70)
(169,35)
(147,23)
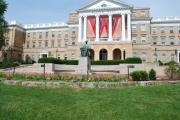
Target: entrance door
(44,56)
(103,54)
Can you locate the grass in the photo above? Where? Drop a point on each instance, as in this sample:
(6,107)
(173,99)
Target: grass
(134,103)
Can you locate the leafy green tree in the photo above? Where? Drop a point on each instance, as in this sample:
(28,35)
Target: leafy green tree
(3,23)
(152,74)
(171,70)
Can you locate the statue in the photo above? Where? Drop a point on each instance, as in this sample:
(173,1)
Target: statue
(85,50)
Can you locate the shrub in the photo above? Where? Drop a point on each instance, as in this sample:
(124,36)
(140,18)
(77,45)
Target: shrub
(152,74)
(107,62)
(139,76)
(171,70)
(133,60)
(160,63)
(57,61)
(5,65)
(171,62)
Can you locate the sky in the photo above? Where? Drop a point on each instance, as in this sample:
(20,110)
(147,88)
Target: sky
(44,11)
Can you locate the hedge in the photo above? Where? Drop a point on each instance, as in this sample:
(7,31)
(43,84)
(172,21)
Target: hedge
(57,61)
(4,65)
(107,62)
(139,75)
(134,60)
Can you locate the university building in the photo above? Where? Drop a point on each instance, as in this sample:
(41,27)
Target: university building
(115,30)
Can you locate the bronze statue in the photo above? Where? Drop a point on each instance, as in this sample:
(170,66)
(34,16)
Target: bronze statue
(85,50)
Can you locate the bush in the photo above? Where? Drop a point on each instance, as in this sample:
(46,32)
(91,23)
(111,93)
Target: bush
(170,63)
(139,76)
(171,70)
(152,74)
(5,65)
(133,60)
(160,63)
(57,61)
(107,62)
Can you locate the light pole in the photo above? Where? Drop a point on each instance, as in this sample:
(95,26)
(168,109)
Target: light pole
(130,66)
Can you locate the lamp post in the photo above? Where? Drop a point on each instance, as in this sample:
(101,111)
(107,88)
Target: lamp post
(130,66)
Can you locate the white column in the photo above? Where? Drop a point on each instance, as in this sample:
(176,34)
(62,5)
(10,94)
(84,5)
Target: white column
(129,26)
(80,29)
(123,28)
(97,28)
(85,29)
(110,28)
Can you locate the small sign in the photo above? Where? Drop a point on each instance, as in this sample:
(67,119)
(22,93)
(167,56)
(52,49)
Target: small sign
(131,66)
(43,65)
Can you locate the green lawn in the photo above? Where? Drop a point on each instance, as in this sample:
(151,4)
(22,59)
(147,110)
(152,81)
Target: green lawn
(134,103)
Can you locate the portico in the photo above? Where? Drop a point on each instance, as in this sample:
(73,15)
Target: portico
(125,33)
(103,22)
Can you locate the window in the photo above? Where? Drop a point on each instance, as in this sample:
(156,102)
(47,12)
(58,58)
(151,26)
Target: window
(59,43)
(171,41)
(34,35)
(34,45)
(171,29)
(143,28)
(144,57)
(163,58)
(179,29)
(53,34)
(59,34)
(52,43)
(27,45)
(66,43)
(73,42)
(172,57)
(134,39)
(154,29)
(73,31)
(28,35)
(7,42)
(46,44)
(40,44)
(143,39)
(133,28)
(73,56)
(163,41)
(47,34)
(154,40)
(162,30)
(66,35)
(40,35)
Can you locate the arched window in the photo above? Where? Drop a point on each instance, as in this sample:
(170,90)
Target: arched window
(117,54)
(103,54)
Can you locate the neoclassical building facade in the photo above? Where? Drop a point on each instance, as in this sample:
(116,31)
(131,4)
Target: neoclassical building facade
(115,30)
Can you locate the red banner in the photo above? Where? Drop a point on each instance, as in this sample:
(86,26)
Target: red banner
(91,27)
(104,26)
(117,26)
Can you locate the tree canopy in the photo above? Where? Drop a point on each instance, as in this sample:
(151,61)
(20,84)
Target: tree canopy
(3,23)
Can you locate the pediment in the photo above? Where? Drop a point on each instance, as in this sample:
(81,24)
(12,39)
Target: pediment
(105,4)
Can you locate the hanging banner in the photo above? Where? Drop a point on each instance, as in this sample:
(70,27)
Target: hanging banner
(104,27)
(117,26)
(91,27)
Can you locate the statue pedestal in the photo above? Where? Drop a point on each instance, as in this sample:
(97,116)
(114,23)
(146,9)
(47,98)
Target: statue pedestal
(84,66)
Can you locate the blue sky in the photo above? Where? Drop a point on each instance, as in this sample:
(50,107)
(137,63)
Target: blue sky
(42,11)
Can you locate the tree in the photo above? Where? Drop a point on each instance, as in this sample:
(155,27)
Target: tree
(171,70)
(3,23)
(152,74)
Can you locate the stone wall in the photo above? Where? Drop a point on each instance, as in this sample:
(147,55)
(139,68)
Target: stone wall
(43,84)
(119,69)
